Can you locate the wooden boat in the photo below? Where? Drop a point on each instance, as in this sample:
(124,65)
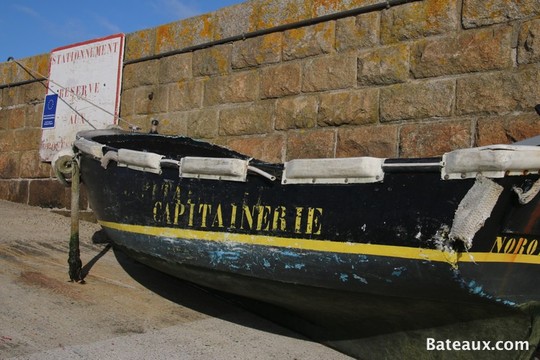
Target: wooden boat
(393,244)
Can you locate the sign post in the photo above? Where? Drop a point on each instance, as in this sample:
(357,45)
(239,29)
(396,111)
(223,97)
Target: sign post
(83,91)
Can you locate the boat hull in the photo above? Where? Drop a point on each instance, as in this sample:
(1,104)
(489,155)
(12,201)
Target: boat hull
(342,254)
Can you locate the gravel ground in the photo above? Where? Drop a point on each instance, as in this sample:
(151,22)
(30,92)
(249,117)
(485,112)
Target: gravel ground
(114,316)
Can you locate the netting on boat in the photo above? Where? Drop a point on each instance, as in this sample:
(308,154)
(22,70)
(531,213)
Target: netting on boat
(474,209)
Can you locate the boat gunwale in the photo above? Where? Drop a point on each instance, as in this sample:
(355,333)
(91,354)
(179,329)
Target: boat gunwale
(500,154)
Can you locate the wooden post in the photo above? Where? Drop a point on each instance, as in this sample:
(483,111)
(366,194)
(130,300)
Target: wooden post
(74,259)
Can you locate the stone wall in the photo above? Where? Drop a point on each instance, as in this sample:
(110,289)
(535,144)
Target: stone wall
(417,79)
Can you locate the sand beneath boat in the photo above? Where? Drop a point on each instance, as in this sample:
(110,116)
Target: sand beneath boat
(124,311)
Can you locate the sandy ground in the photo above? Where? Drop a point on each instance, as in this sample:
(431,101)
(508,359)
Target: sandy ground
(124,311)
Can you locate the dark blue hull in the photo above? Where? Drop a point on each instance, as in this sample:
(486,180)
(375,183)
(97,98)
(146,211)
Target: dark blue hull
(371,258)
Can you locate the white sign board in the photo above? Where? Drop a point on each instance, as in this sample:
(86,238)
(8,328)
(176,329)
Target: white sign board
(83,92)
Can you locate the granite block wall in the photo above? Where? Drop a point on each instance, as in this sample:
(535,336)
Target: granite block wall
(412,80)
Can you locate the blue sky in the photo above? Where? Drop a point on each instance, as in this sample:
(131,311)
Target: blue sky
(33,27)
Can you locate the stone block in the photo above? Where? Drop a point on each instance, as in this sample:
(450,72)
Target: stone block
(268,13)
(329,73)
(4,118)
(214,60)
(127,102)
(297,112)
(506,129)
(5,189)
(34,115)
(234,88)
(10,96)
(477,13)
(417,100)
(10,164)
(256,118)
(185,95)
(173,123)
(27,139)
(232,20)
(166,38)
(309,41)
(141,121)
(498,92)
(281,80)
(33,93)
(184,33)
(257,51)
(142,100)
(434,138)
(151,99)
(140,74)
(326,7)
(469,51)
(310,144)
(11,72)
(48,193)
(140,44)
(358,32)
(266,148)
(17,73)
(6,72)
(383,66)
(7,140)
(16,118)
(14,190)
(355,107)
(202,124)
(4,115)
(32,167)
(175,68)
(378,141)
(418,20)
(41,64)
(529,42)
(159,99)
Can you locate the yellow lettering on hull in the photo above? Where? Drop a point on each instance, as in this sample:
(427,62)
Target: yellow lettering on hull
(169,208)
(515,245)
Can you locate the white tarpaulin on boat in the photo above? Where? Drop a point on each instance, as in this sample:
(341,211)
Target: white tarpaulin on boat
(333,171)
(474,209)
(491,161)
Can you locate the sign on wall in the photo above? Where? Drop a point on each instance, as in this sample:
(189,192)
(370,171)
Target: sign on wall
(83,92)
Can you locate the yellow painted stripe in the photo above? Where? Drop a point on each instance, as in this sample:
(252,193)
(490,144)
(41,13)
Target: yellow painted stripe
(481,257)
(403,252)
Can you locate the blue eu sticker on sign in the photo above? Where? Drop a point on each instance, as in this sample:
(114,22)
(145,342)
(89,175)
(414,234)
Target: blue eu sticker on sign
(49,111)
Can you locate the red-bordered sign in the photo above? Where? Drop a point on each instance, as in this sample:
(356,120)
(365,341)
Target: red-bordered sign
(84,83)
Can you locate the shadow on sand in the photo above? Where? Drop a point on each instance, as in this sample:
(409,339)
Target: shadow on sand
(203,300)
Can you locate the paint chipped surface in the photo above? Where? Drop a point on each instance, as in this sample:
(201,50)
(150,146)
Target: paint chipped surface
(360,278)
(398,271)
(297,266)
(476,288)
(221,256)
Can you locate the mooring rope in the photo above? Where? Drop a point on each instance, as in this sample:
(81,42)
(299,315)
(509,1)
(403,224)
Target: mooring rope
(525,197)
(64,164)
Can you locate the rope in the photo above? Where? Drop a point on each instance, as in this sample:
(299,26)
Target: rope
(526,197)
(62,165)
